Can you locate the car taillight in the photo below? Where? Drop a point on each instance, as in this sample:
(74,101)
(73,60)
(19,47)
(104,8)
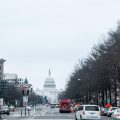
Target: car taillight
(83,112)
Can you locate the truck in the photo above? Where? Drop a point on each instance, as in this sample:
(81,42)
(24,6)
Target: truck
(65,105)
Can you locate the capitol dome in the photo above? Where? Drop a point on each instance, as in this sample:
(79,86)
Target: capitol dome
(49,82)
(50,90)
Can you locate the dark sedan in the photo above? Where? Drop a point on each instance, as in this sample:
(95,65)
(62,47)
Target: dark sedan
(5,110)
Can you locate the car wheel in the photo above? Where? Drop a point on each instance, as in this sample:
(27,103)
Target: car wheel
(8,113)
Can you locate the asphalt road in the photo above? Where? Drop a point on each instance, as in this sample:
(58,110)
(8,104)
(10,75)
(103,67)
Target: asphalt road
(45,113)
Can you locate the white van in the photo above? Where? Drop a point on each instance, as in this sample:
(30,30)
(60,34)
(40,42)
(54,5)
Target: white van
(87,112)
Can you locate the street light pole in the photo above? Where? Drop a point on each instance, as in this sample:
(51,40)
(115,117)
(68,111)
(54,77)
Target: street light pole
(78,80)
(84,97)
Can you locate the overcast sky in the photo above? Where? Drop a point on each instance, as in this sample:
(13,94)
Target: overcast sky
(36,35)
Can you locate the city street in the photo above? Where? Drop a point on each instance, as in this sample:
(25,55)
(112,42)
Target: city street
(43,113)
(59,56)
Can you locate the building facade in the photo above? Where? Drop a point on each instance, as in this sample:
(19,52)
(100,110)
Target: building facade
(10,78)
(21,81)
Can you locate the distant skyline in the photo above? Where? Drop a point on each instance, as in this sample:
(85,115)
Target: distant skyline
(39,35)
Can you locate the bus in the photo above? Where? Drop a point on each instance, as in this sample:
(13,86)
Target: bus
(65,105)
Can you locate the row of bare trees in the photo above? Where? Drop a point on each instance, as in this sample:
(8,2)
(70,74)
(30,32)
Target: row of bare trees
(98,76)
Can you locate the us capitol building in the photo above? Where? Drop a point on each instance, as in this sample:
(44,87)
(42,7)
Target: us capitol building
(49,89)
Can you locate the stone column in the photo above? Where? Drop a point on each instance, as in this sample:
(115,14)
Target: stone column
(2,69)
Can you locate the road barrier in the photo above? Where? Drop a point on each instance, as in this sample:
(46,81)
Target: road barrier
(26,112)
(21,112)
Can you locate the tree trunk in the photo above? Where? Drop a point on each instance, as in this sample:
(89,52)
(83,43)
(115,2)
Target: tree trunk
(103,96)
(115,93)
(110,96)
(97,98)
(106,96)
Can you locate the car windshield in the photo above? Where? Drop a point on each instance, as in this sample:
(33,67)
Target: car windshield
(4,107)
(114,108)
(91,108)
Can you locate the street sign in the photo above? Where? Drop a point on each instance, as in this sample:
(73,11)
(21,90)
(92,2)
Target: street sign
(25,100)
(1,101)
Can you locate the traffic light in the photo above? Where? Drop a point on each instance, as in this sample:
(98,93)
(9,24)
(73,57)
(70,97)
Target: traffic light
(25,92)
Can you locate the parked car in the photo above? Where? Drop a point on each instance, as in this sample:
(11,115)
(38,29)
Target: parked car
(88,112)
(111,111)
(104,111)
(116,114)
(5,110)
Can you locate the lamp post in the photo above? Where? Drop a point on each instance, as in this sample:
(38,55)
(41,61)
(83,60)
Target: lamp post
(78,80)
(84,97)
